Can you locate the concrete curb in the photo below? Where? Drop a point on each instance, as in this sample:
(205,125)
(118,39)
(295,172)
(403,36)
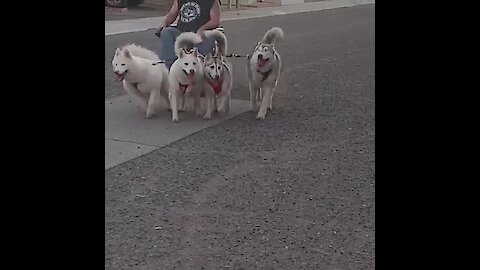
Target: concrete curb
(129,135)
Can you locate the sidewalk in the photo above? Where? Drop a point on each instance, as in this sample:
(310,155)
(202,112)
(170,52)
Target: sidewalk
(149,10)
(135,25)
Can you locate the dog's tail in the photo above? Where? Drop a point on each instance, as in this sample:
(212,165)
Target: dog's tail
(221,39)
(140,51)
(186,41)
(272,35)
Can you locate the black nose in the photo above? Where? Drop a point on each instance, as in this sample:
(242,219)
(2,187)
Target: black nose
(217,77)
(260,57)
(192,71)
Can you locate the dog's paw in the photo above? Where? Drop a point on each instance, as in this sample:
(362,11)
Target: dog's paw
(207,117)
(150,115)
(261,116)
(175,120)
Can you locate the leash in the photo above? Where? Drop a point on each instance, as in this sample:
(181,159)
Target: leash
(159,62)
(237,55)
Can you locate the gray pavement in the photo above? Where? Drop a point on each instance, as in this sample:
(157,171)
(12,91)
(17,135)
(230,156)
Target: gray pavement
(296,191)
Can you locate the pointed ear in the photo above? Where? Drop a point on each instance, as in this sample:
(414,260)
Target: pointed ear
(117,51)
(181,53)
(127,53)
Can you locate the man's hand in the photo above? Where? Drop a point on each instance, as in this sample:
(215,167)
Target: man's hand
(161,26)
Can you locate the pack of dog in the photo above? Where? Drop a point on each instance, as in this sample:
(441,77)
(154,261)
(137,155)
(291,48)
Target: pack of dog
(146,78)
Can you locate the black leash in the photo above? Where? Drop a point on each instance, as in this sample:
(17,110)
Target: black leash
(237,55)
(159,62)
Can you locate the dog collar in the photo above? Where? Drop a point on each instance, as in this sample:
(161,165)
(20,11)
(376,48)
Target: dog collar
(265,74)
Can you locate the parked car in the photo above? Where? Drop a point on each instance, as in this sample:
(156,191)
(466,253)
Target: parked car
(123,3)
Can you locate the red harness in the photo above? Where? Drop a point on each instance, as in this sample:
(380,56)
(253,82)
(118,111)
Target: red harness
(183,87)
(217,87)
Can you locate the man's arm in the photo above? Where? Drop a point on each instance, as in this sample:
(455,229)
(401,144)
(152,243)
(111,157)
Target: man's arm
(171,15)
(214,18)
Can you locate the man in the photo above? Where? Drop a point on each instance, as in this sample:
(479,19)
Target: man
(195,16)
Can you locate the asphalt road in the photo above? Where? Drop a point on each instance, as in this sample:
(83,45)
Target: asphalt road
(296,191)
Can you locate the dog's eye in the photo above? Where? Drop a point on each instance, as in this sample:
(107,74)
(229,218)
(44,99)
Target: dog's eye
(194,63)
(212,67)
(123,64)
(186,64)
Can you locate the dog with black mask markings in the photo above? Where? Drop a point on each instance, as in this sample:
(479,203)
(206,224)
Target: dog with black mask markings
(218,76)
(264,66)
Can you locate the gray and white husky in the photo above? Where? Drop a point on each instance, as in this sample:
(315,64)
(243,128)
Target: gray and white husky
(263,69)
(218,76)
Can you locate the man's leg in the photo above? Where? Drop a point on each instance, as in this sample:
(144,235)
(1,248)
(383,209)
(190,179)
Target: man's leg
(167,45)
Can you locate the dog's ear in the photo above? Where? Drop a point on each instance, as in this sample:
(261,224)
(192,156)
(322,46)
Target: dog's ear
(194,51)
(127,53)
(181,53)
(117,51)
(202,57)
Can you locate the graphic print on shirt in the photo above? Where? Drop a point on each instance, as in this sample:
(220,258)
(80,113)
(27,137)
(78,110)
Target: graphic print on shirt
(189,12)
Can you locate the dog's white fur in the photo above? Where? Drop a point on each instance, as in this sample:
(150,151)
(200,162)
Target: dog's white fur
(263,70)
(219,74)
(187,71)
(143,76)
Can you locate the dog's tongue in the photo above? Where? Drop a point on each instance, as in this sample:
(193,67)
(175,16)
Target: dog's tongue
(190,76)
(120,77)
(262,61)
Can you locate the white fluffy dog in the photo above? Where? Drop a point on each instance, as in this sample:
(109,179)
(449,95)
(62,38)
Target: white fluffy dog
(186,73)
(144,76)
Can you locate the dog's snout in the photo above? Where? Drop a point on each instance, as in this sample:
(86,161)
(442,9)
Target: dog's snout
(260,56)
(217,77)
(192,71)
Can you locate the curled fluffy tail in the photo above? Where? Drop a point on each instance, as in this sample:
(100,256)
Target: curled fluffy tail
(272,35)
(140,51)
(221,40)
(186,41)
